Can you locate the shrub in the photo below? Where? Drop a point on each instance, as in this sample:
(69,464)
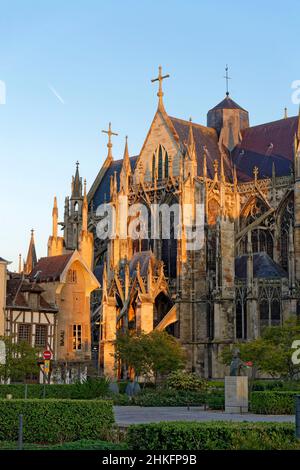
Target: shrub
(182,380)
(216,400)
(91,388)
(211,436)
(56,420)
(165,397)
(273,402)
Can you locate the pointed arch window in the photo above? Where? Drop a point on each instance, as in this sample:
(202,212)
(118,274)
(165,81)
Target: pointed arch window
(166,165)
(153,167)
(160,163)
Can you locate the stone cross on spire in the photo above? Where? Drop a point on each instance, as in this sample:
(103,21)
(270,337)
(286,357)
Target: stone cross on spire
(159,79)
(109,132)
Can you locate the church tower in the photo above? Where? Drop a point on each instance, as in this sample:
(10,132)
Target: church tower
(228,119)
(73,211)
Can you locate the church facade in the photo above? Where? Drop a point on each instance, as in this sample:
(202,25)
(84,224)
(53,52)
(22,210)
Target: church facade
(245,273)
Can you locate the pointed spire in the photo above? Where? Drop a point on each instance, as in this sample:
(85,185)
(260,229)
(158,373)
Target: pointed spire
(191,142)
(84,210)
(126,158)
(204,165)
(76,183)
(255,173)
(31,259)
(222,168)
(216,166)
(104,282)
(20,264)
(285,113)
(54,218)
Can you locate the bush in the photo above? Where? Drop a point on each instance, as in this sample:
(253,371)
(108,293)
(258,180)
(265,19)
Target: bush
(216,400)
(211,436)
(182,380)
(288,385)
(273,403)
(161,397)
(56,420)
(91,388)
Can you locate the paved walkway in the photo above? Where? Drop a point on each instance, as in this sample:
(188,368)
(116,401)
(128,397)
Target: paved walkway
(126,415)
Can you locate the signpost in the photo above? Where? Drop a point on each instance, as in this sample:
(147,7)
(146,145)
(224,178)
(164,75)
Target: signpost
(47,357)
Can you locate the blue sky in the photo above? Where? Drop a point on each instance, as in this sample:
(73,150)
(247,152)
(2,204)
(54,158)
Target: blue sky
(99,56)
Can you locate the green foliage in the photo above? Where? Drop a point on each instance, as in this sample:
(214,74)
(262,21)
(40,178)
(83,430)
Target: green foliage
(21,360)
(216,400)
(82,444)
(284,385)
(211,436)
(153,354)
(91,388)
(56,420)
(183,380)
(273,402)
(272,353)
(161,397)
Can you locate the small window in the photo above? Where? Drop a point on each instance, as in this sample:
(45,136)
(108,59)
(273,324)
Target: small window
(24,333)
(72,276)
(77,342)
(41,336)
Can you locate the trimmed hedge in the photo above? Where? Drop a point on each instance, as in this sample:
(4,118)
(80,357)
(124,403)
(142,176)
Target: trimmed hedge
(87,390)
(56,420)
(162,397)
(273,403)
(211,436)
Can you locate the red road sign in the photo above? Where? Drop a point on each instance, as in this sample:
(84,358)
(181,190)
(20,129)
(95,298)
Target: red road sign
(47,355)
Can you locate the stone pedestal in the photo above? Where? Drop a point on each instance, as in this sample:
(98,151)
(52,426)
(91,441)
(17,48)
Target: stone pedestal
(236,394)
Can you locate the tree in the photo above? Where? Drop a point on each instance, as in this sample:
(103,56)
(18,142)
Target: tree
(149,355)
(272,352)
(21,360)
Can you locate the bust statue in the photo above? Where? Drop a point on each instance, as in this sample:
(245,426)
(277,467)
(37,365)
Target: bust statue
(236,365)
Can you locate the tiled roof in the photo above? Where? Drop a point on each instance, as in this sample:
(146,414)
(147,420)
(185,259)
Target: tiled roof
(227,103)
(263,267)
(264,145)
(15,298)
(205,137)
(50,268)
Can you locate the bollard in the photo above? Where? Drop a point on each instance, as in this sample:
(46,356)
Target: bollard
(20,440)
(298,416)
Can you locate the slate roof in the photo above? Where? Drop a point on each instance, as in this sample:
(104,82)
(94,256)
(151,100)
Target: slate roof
(264,144)
(227,103)
(98,273)
(102,193)
(144,258)
(49,269)
(263,267)
(3,260)
(204,137)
